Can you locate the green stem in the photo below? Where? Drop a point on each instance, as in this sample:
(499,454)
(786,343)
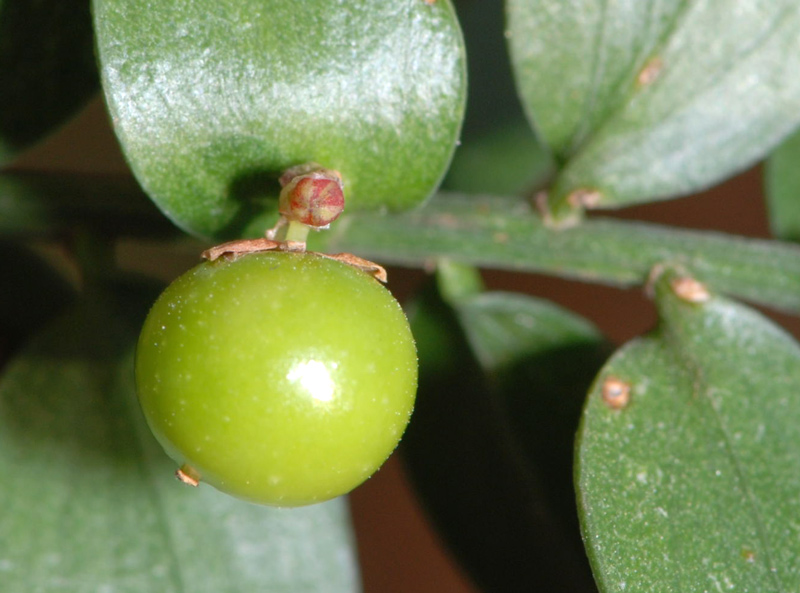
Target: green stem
(457,281)
(506,233)
(296,231)
(292,231)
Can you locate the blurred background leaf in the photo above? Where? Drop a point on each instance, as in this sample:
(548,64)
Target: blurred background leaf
(782,176)
(32,292)
(54,204)
(498,152)
(500,490)
(47,68)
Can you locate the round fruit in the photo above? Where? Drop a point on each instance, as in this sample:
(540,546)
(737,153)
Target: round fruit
(280,378)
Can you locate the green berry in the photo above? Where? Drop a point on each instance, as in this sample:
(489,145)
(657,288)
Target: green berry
(280,378)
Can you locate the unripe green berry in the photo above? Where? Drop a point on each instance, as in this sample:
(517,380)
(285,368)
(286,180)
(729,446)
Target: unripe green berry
(280,378)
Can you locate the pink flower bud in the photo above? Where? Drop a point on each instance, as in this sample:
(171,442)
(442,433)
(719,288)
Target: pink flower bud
(315,199)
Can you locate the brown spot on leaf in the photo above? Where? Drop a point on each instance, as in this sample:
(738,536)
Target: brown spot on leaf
(651,71)
(616,393)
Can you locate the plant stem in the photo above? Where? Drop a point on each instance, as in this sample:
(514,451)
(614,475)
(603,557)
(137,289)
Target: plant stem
(506,233)
(296,231)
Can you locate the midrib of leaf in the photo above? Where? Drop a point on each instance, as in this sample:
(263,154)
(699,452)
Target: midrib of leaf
(598,68)
(702,394)
(731,67)
(728,69)
(584,138)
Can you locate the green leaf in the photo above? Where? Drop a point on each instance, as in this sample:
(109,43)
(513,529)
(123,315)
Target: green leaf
(693,485)
(498,152)
(212,100)
(649,100)
(502,232)
(541,360)
(47,68)
(494,484)
(504,161)
(89,501)
(32,292)
(782,176)
(51,203)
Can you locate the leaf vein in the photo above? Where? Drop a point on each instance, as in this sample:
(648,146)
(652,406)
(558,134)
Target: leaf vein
(702,393)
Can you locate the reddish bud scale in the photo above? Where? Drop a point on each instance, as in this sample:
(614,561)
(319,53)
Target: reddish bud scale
(315,200)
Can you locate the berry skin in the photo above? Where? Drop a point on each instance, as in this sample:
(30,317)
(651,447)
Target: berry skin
(280,378)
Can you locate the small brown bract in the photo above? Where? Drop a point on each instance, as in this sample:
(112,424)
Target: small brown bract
(371,268)
(616,393)
(584,198)
(690,290)
(187,476)
(233,249)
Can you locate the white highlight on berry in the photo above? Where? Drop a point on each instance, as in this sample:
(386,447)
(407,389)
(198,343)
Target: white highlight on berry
(315,378)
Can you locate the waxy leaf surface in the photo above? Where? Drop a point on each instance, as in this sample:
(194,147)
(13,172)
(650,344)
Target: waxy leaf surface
(212,100)
(693,485)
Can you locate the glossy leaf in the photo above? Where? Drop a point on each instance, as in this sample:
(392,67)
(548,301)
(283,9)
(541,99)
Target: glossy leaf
(89,501)
(212,100)
(649,100)
(693,485)
(494,484)
(47,68)
(783,189)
